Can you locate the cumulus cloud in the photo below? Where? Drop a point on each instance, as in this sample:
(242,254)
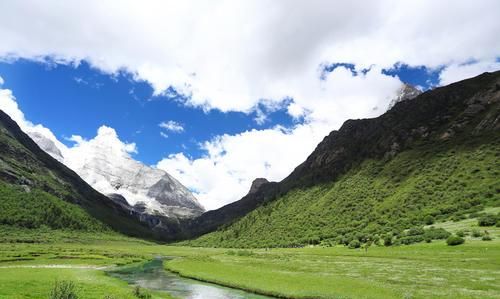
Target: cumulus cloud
(457,72)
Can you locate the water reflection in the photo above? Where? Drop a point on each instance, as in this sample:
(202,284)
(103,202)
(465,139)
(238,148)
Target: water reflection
(153,277)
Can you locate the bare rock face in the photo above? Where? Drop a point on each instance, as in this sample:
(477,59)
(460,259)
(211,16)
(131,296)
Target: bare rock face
(256,184)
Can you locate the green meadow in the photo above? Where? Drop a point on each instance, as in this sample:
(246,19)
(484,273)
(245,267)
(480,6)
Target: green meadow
(29,268)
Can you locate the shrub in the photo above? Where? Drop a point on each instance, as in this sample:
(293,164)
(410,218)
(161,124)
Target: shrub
(487,220)
(415,231)
(429,220)
(486,238)
(454,240)
(388,240)
(456,218)
(473,215)
(476,233)
(436,233)
(139,293)
(63,290)
(411,239)
(354,244)
(460,233)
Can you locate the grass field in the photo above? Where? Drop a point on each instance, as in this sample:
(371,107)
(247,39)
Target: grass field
(425,270)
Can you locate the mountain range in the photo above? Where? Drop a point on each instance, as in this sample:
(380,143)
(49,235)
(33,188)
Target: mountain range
(432,154)
(382,165)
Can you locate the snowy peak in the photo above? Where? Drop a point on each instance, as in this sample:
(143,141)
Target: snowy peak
(47,145)
(406,92)
(105,163)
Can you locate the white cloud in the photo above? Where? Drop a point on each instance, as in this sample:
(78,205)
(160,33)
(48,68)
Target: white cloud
(231,162)
(172,126)
(1,81)
(229,55)
(163,134)
(457,72)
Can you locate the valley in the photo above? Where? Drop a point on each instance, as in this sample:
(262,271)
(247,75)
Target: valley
(405,205)
(425,270)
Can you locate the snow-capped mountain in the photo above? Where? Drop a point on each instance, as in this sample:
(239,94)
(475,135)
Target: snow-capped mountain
(105,164)
(47,145)
(406,92)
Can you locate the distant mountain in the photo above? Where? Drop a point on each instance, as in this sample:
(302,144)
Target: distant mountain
(406,92)
(144,189)
(37,190)
(435,155)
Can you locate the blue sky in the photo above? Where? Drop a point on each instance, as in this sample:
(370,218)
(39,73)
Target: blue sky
(72,99)
(78,99)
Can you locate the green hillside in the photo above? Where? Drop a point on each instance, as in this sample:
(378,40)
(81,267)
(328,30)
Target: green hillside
(377,200)
(37,208)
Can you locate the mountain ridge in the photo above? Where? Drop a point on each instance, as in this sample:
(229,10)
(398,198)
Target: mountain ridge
(437,115)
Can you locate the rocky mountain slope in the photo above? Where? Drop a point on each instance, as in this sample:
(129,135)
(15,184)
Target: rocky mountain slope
(37,190)
(437,123)
(130,183)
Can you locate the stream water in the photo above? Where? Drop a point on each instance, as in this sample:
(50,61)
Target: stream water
(152,276)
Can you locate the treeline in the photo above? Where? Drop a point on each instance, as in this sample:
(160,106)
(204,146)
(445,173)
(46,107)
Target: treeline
(22,207)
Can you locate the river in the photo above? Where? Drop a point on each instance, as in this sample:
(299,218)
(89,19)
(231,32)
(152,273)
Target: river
(152,276)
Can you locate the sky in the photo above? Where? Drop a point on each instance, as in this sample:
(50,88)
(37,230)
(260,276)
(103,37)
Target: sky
(219,93)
